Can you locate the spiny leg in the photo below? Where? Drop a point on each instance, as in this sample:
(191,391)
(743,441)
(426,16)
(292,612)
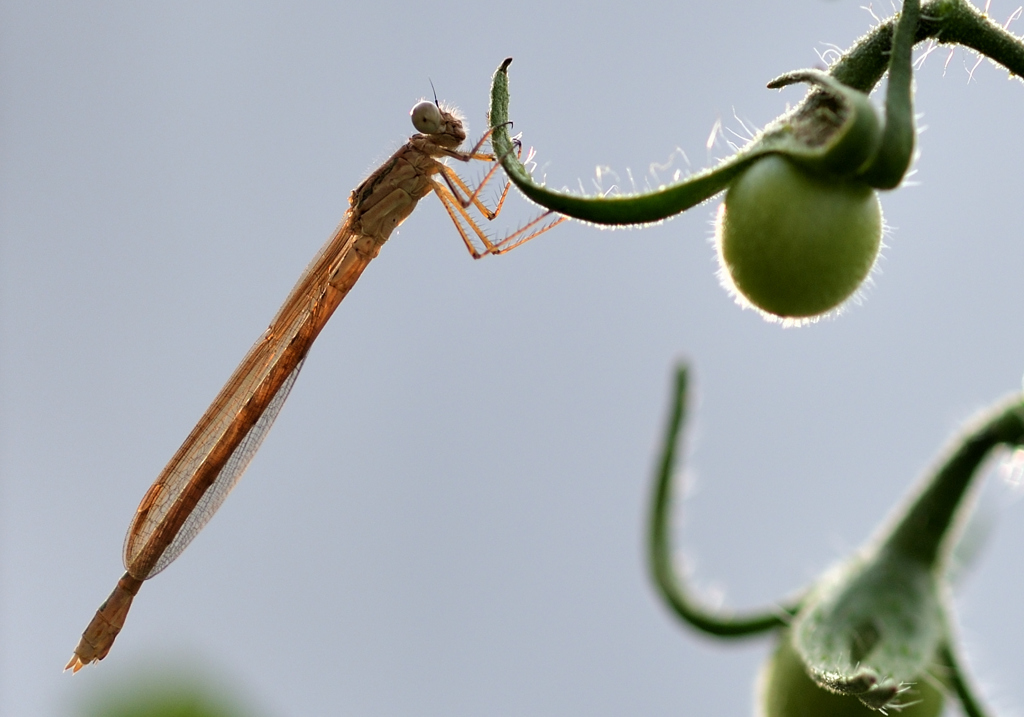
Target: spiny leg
(475,152)
(459,214)
(455,183)
(454,203)
(517,237)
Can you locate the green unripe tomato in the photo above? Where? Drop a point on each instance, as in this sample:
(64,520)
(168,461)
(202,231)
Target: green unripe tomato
(796,244)
(785,690)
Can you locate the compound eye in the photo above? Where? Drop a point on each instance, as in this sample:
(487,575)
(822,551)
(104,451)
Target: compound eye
(426,117)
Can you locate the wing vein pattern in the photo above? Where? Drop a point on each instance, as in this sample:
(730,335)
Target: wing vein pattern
(212,459)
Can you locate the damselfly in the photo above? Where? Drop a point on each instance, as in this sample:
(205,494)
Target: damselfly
(204,470)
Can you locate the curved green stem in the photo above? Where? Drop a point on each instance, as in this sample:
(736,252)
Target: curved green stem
(638,209)
(923,531)
(958,679)
(897,148)
(671,585)
(861,68)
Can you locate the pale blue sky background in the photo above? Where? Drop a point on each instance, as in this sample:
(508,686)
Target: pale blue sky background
(447,518)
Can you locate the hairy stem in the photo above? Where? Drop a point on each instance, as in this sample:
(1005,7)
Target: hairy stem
(897,148)
(946,21)
(924,528)
(861,67)
(958,680)
(671,585)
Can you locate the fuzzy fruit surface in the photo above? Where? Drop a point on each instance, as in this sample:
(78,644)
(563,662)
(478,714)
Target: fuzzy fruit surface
(786,691)
(795,244)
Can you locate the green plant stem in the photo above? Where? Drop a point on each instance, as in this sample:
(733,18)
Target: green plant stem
(971,704)
(637,209)
(671,585)
(897,148)
(953,22)
(861,67)
(924,529)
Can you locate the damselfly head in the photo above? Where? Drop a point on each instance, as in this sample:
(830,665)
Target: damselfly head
(430,118)
(426,117)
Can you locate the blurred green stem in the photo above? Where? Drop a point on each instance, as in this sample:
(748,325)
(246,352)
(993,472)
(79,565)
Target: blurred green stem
(673,586)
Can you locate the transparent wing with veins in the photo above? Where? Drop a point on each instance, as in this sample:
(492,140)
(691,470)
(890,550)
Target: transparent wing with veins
(212,459)
(236,464)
